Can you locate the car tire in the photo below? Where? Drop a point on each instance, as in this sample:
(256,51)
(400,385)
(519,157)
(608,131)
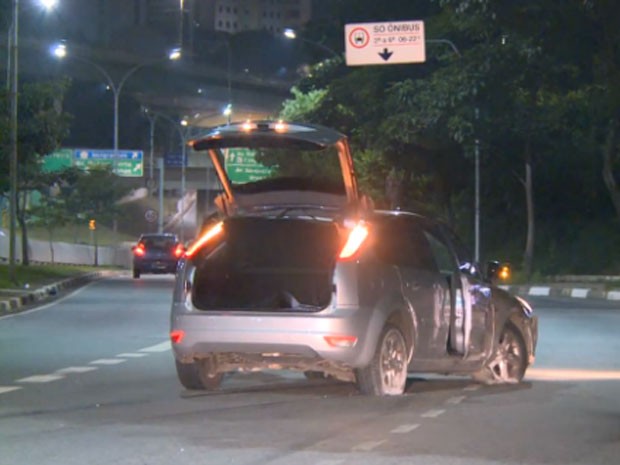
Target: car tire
(210,379)
(136,273)
(386,374)
(509,362)
(188,375)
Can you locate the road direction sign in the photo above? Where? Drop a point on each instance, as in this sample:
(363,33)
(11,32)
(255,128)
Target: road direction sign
(241,166)
(126,163)
(385,43)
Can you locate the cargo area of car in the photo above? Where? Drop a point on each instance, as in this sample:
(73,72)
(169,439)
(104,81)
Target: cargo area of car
(269,264)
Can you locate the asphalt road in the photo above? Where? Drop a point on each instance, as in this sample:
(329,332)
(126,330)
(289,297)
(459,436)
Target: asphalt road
(90,379)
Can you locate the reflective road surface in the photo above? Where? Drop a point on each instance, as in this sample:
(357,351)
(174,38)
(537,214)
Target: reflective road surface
(89,379)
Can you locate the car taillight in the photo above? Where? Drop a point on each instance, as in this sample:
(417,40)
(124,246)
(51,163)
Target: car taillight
(176,336)
(206,237)
(356,238)
(179,250)
(139,250)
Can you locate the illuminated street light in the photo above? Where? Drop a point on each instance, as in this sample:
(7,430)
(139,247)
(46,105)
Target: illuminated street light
(60,51)
(292,35)
(175,54)
(13,86)
(227,112)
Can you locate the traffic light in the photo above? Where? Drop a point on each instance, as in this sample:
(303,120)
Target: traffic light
(92,225)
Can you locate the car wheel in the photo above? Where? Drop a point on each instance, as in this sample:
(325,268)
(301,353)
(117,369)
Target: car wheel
(386,374)
(509,363)
(210,379)
(188,375)
(136,273)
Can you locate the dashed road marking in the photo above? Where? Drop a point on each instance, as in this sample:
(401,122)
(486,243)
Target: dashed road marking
(162,347)
(433,413)
(402,429)
(107,361)
(68,370)
(455,400)
(40,379)
(5,389)
(368,446)
(132,355)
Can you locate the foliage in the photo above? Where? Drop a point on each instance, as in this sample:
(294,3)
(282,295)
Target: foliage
(537,83)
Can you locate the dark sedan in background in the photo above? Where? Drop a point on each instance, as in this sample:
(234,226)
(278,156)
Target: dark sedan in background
(156,253)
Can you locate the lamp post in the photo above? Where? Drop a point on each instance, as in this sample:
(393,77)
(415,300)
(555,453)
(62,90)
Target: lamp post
(13,86)
(292,35)
(182,128)
(60,51)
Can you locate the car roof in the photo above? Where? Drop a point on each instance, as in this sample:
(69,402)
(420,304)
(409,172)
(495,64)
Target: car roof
(269,134)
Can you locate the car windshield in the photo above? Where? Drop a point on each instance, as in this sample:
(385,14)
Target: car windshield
(158,242)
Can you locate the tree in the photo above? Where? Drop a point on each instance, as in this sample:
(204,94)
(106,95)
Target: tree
(42,126)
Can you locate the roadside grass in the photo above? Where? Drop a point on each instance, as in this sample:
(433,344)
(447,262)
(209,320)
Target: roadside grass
(34,276)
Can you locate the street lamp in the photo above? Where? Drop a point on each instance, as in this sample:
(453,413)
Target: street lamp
(13,75)
(291,34)
(60,51)
(182,128)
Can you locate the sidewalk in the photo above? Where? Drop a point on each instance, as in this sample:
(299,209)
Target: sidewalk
(12,301)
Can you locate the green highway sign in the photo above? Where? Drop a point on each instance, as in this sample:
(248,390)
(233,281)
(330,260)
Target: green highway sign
(126,163)
(58,160)
(241,166)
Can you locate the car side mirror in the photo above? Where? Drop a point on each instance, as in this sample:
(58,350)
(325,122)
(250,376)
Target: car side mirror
(497,272)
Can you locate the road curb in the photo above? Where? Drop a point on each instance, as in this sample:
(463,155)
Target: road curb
(574,292)
(15,304)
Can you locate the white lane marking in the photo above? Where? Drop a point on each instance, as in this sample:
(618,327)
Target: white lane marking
(472,387)
(68,370)
(455,400)
(107,361)
(368,446)
(40,379)
(5,389)
(579,293)
(131,355)
(162,347)
(433,413)
(539,290)
(405,428)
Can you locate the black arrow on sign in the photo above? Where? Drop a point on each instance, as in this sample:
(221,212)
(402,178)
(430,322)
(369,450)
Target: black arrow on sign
(386,54)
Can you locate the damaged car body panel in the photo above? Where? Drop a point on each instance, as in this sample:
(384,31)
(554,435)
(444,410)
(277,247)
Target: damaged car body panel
(298,271)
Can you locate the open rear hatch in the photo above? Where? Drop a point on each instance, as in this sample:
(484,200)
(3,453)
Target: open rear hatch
(274,243)
(269,264)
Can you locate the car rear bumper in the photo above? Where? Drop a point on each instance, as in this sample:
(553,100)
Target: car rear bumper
(155,266)
(275,337)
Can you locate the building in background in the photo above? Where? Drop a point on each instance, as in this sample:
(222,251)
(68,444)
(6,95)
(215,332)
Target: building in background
(234,16)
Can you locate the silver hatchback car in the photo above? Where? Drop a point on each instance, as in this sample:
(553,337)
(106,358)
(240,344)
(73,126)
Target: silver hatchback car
(298,271)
